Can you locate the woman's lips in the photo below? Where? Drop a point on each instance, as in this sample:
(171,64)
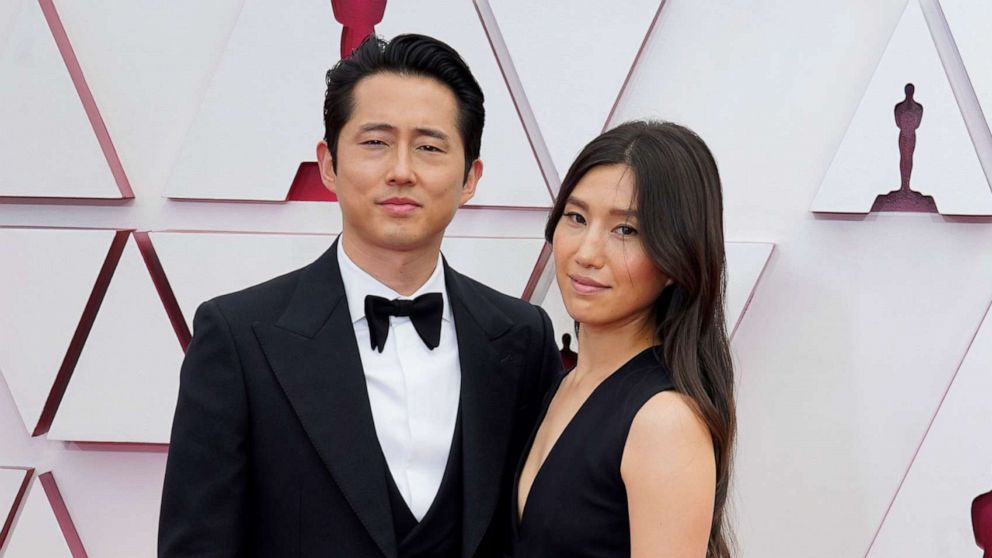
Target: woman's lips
(584,285)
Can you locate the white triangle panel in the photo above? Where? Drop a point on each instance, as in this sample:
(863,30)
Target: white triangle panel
(201,266)
(511,176)
(261,115)
(37,532)
(8,14)
(13,484)
(745,263)
(584,46)
(504,264)
(945,164)
(125,384)
(43,115)
(969,21)
(931,515)
(42,304)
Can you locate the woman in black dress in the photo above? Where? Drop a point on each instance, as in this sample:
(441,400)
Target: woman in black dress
(632,456)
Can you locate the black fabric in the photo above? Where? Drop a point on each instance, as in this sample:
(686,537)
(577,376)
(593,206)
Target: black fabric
(425,313)
(577,505)
(438,535)
(274,450)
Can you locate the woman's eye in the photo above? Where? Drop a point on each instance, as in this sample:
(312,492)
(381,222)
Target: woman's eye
(626,230)
(575,218)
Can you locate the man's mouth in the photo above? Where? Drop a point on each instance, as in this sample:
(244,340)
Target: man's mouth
(399,206)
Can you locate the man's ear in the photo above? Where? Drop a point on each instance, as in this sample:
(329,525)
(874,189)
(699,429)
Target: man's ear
(471,181)
(325,162)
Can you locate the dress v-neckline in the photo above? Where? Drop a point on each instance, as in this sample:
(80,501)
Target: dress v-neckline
(520,514)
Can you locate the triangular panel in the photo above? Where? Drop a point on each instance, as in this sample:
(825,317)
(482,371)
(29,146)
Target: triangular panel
(573,58)
(42,114)
(745,263)
(44,527)
(512,176)
(201,266)
(969,21)
(125,384)
(13,485)
(261,116)
(931,514)
(501,263)
(43,308)
(944,162)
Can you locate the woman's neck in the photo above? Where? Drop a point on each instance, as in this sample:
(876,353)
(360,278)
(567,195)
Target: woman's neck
(603,349)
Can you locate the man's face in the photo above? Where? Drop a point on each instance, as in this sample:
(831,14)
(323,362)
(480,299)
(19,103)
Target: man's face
(400,164)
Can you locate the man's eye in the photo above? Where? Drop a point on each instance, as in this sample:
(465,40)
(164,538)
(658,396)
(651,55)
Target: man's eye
(373,142)
(431,148)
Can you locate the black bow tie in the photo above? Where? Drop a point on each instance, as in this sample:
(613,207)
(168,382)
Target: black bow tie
(424,311)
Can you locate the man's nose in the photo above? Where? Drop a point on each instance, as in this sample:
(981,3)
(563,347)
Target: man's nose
(401,171)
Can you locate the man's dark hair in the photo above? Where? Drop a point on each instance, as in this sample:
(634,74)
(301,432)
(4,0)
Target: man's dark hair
(413,55)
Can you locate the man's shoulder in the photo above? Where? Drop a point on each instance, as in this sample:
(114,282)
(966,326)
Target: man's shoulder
(516,309)
(263,301)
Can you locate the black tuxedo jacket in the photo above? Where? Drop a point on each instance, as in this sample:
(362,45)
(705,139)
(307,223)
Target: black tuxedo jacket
(274,452)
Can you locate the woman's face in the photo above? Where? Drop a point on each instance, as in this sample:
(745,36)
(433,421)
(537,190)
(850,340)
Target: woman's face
(604,273)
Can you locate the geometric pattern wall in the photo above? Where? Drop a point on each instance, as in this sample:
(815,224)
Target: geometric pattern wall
(259,117)
(125,383)
(606,38)
(939,152)
(44,527)
(49,305)
(952,466)
(13,484)
(966,19)
(42,76)
(148,152)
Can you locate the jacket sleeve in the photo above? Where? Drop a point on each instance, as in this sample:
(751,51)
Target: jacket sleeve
(205,493)
(551,368)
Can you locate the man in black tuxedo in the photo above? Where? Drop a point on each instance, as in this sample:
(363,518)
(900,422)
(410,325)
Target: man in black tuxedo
(375,402)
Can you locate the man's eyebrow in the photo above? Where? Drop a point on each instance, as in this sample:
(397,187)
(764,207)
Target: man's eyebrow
(377,127)
(432,133)
(615,211)
(385,127)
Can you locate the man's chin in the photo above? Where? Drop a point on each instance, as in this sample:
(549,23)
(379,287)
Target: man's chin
(402,239)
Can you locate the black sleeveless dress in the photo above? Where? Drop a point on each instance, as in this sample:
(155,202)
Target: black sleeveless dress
(577,505)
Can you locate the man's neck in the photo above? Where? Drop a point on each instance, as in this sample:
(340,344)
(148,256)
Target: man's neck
(402,271)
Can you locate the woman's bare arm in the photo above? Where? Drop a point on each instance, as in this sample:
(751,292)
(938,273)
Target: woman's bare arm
(669,470)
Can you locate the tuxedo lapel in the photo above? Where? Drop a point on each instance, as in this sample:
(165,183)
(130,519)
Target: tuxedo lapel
(486,346)
(313,352)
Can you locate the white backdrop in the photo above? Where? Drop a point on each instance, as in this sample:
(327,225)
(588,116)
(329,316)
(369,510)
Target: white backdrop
(863,378)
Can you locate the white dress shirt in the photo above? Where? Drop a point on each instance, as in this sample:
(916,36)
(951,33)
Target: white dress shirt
(413,390)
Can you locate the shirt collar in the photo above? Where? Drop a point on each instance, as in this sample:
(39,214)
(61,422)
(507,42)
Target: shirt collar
(358,284)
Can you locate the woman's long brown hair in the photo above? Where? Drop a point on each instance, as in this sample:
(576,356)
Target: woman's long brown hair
(680,216)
